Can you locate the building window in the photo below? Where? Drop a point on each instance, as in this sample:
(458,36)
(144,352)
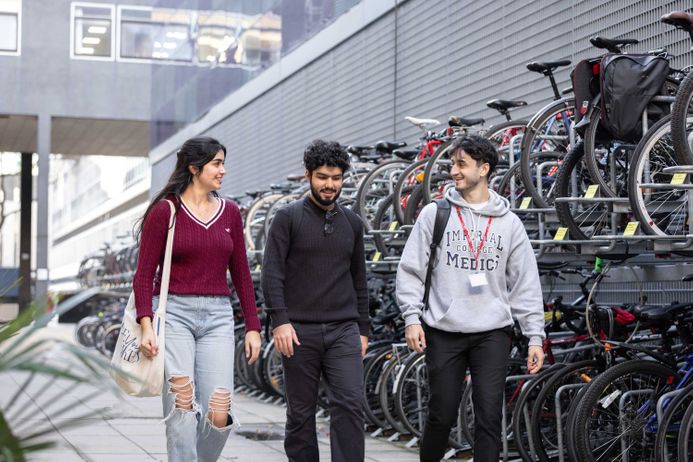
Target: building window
(10,26)
(92,31)
(155,34)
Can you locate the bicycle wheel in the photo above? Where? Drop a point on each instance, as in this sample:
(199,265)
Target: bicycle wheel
(408,180)
(543,421)
(411,394)
(548,130)
(502,134)
(583,220)
(387,244)
(521,428)
(437,173)
(255,218)
(666,443)
(606,159)
(272,370)
(384,387)
(611,419)
(681,123)
(661,209)
(685,439)
(372,370)
(378,184)
(109,340)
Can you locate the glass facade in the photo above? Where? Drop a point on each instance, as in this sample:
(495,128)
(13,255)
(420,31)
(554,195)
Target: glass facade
(225,44)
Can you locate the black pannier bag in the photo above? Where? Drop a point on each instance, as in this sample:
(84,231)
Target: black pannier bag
(585,80)
(628,84)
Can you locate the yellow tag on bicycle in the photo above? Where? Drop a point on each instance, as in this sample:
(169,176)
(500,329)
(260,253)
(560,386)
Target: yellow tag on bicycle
(525,203)
(257,267)
(631,228)
(591,191)
(393,226)
(377,256)
(560,234)
(678,178)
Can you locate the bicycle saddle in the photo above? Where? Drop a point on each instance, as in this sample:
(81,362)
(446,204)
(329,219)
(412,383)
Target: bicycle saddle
(547,66)
(406,154)
(422,123)
(281,186)
(658,313)
(613,45)
(679,19)
(389,146)
(457,121)
(567,91)
(295,178)
(358,150)
(255,193)
(504,104)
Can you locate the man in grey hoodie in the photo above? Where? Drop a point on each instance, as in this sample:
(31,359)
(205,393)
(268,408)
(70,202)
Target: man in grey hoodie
(484,276)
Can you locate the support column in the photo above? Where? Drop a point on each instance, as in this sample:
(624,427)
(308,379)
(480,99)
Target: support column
(25,199)
(44,151)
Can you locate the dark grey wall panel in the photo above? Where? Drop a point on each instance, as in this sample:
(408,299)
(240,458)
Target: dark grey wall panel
(429,58)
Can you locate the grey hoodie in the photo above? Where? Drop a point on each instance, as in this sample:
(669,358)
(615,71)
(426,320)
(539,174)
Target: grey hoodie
(507,259)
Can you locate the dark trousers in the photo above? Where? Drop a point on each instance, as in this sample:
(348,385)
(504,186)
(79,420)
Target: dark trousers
(333,349)
(447,357)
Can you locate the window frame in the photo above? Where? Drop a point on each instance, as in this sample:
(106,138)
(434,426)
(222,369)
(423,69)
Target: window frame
(119,21)
(18,51)
(73,17)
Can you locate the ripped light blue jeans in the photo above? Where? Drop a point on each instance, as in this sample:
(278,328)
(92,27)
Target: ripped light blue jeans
(199,376)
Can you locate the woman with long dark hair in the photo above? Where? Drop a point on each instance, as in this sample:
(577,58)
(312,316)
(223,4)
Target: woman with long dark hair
(199,331)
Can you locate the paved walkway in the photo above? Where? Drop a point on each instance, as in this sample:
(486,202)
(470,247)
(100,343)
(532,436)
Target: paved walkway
(124,429)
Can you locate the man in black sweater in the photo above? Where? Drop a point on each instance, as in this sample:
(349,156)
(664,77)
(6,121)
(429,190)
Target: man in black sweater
(314,283)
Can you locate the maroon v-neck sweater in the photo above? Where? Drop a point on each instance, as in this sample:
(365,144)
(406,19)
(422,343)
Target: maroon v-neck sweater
(202,252)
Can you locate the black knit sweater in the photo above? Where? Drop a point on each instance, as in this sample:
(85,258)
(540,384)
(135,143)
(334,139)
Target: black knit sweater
(315,277)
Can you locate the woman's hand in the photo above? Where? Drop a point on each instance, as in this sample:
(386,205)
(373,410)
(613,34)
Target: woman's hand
(253,345)
(148,346)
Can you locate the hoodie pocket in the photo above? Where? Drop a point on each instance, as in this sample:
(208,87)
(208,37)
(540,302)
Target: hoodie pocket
(475,314)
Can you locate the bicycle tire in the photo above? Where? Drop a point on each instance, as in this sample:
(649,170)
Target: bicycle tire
(401,194)
(502,133)
(402,411)
(433,175)
(518,424)
(683,449)
(655,152)
(595,215)
(593,399)
(680,120)
(371,371)
(663,440)
(384,218)
(546,396)
(565,107)
(385,384)
(271,363)
(250,218)
(365,188)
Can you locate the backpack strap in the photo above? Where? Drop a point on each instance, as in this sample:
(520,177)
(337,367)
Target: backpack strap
(442,216)
(354,221)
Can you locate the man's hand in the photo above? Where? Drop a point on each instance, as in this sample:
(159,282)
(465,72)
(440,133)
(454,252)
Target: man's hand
(416,339)
(535,359)
(364,345)
(284,339)
(148,345)
(253,345)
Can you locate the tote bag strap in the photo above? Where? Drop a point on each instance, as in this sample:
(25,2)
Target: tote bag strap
(166,272)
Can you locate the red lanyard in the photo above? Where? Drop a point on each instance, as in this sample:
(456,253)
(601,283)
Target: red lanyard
(477,253)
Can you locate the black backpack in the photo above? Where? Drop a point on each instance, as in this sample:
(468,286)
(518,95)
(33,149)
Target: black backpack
(628,84)
(442,216)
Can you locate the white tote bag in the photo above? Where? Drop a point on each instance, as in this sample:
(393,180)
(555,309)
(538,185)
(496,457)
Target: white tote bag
(135,374)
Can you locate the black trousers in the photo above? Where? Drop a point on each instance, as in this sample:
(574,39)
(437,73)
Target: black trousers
(447,357)
(334,350)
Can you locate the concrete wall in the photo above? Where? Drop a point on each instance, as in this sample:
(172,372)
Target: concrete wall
(43,79)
